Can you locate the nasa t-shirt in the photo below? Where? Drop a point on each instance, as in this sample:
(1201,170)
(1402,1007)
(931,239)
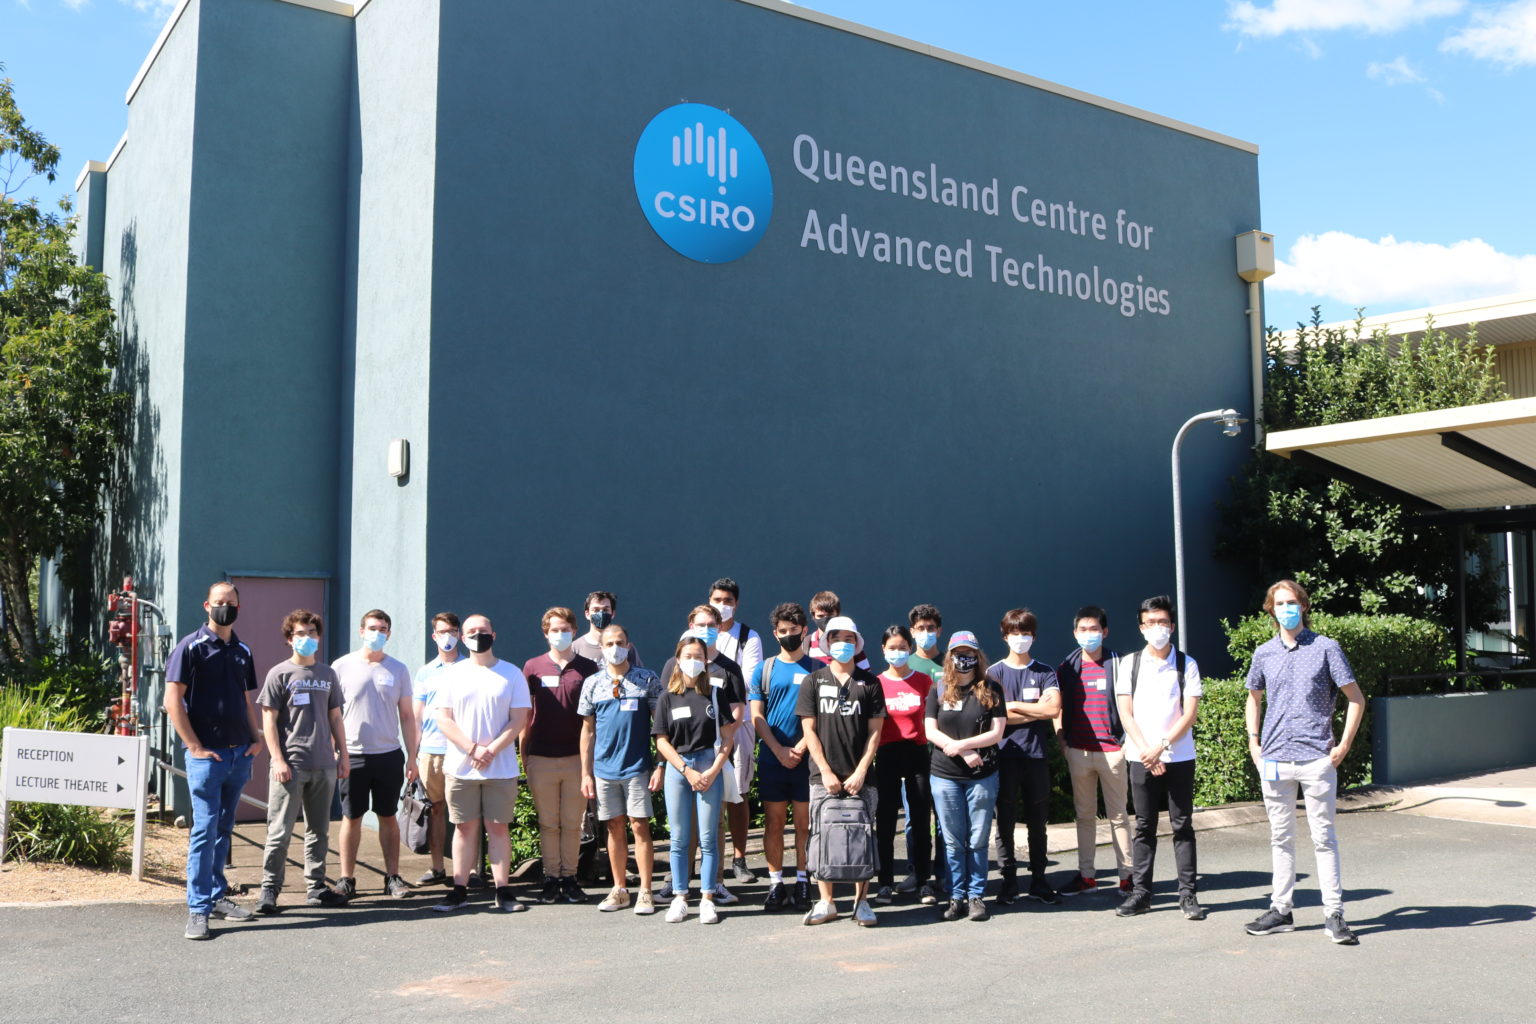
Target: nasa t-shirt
(842,713)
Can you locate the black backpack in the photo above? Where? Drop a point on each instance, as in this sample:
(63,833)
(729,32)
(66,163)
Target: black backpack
(1178,666)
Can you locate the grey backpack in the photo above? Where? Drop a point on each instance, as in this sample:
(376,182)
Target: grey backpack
(842,848)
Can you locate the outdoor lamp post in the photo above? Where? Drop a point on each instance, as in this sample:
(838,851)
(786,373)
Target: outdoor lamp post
(1231,423)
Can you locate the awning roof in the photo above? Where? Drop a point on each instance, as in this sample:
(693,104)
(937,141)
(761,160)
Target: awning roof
(1472,457)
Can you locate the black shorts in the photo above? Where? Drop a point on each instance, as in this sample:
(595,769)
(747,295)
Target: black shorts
(375,779)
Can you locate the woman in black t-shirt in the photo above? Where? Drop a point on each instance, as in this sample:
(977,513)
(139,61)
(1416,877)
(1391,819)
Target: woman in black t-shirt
(693,727)
(965,716)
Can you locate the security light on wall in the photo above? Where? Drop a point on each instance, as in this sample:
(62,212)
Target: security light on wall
(1255,255)
(399,457)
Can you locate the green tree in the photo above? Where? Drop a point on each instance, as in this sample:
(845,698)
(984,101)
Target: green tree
(1354,551)
(58,410)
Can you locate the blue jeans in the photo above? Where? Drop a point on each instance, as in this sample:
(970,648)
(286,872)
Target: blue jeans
(965,811)
(682,803)
(215,787)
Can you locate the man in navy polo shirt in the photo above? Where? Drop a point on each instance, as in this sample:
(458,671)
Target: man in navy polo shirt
(210,687)
(1301,674)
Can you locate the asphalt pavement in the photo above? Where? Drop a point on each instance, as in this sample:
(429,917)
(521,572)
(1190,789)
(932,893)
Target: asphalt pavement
(1443,909)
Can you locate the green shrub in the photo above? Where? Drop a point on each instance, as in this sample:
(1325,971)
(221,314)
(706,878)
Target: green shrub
(1224,773)
(83,682)
(1377,646)
(68,834)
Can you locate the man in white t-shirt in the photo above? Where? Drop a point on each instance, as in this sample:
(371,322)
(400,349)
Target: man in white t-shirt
(482,704)
(1158,692)
(744,646)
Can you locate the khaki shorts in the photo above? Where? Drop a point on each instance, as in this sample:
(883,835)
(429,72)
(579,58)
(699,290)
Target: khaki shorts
(492,800)
(432,778)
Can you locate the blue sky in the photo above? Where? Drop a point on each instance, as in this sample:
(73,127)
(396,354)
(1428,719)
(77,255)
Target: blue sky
(1396,150)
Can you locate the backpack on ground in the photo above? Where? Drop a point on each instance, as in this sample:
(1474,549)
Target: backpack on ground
(842,846)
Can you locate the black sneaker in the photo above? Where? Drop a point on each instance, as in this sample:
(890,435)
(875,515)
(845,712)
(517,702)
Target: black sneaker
(884,895)
(323,897)
(978,909)
(396,887)
(663,893)
(1135,903)
(1337,931)
(571,892)
(802,895)
(1081,883)
(1190,907)
(505,901)
(456,899)
(1271,922)
(927,895)
(345,889)
(476,880)
(776,898)
(954,910)
(741,872)
(266,903)
(434,877)
(551,891)
(1008,892)
(1041,892)
(907,886)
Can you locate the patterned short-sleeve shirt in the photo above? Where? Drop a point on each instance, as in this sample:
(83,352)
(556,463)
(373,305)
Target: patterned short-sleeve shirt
(1301,685)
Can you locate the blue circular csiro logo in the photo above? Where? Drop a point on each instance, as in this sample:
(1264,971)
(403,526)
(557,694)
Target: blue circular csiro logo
(703,183)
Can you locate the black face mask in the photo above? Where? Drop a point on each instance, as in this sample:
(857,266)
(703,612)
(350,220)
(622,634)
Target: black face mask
(792,643)
(480,642)
(963,662)
(821,623)
(224,614)
(600,618)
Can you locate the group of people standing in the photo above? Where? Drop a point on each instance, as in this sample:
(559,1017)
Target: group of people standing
(956,741)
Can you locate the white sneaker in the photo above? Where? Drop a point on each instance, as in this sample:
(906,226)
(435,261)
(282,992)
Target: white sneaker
(707,914)
(724,896)
(822,912)
(864,914)
(645,903)
(678,911)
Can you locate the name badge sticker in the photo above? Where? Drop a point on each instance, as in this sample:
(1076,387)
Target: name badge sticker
(629,704)
(550,682)
(1101,684)
(953,705)
(679,713)
(1271,770)
(827,690)
(1030,693)
(299,700)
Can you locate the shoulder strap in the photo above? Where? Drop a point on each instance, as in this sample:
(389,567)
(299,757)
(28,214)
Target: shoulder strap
(1178,665)
(1135,672)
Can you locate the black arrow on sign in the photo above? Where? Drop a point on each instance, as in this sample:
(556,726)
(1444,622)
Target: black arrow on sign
(119,787)
(119,760)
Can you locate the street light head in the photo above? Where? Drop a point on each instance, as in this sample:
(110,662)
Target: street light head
(1231,422)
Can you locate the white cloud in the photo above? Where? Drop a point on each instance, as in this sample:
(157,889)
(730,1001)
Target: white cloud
(1282,16)
(1506,35)
(1394,72)
(1310,48)
(154,8)
(1360,272)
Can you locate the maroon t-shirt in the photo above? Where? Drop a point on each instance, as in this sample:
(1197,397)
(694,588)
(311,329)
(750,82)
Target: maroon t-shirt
(555,729)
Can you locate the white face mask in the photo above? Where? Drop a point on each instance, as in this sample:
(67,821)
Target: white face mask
(691,667)
(561,640)
(618,654)
(1020,643)
(446,642)
(727,611)
(1157,636)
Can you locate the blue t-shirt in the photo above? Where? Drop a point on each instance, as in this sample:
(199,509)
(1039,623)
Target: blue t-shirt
(432,739)
(1025,685)
(622,744)
(784,681)
(1301,686)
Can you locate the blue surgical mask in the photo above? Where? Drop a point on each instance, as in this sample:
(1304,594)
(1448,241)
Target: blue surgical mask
(896,659)
(925,640)
(304,646)
(842,651)
(1288,615)
(709,634)
(1090,642)
(375,639)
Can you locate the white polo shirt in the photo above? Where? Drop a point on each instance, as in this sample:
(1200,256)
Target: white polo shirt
(1156,703)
